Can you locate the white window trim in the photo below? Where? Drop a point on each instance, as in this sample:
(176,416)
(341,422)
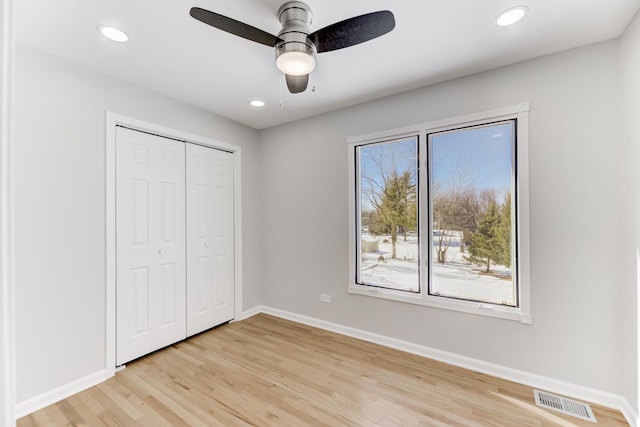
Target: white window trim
(7,286)
(521,313)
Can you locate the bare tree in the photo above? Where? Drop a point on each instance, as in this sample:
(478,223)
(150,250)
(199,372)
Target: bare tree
(443,204)
(455,209)
(388,184)
(393,205)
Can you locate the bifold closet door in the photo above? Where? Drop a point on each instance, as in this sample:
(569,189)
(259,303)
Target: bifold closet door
(210,238)
(150,243)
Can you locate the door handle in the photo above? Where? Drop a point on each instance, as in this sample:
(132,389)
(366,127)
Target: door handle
(162,251)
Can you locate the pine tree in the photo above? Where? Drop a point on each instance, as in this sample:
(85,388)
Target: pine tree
(505,232)
(486,242)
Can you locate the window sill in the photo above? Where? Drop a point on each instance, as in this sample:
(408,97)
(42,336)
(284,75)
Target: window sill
(470,307)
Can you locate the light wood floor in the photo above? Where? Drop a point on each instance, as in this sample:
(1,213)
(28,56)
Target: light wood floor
(266,371)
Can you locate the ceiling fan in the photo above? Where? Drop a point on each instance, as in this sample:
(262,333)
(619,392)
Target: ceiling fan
(295,45)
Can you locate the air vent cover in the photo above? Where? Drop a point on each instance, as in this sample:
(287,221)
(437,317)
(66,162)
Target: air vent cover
(564,405)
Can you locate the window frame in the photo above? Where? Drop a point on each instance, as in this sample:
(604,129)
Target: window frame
(358,208)
(521,264)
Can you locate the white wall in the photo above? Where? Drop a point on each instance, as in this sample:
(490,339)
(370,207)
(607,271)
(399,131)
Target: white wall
(576,294)
(630,186)
(59,187)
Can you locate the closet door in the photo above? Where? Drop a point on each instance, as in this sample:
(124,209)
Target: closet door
(210,238)
(150,243)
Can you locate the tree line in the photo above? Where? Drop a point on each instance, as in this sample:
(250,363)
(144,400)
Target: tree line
(480,219)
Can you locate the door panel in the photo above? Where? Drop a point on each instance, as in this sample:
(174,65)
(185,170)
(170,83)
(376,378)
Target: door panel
(210,246)
(224,277)
(150,243)
(141,303)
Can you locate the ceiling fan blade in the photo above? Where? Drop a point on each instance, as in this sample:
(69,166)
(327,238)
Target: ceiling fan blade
(353,31)
(297,84)
(234,27)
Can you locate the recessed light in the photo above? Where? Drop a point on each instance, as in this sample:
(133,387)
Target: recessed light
(113,33)
(257,103)
(511,16)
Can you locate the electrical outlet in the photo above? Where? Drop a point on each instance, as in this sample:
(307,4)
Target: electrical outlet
(325,298)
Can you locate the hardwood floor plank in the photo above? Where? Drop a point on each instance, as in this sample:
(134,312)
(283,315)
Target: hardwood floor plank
(266,371)
(26,422)
(85,408)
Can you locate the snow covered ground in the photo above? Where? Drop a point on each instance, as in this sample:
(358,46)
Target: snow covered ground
(456,278)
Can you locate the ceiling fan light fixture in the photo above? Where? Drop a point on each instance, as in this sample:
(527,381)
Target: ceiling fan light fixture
(511,16)
(295,45)
(296,63)
(113,34)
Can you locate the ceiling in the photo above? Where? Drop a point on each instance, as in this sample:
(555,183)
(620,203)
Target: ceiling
(434,40)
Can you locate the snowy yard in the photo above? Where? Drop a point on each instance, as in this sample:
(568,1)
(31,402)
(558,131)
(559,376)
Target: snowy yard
(456,278)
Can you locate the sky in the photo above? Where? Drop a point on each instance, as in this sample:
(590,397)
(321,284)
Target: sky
(381,159)
(483,153)
(479,157)
(399,155)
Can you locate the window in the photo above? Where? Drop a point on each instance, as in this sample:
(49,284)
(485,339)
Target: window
(388,244)
(439,214)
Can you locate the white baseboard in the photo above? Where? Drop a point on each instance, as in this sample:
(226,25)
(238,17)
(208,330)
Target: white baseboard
(633,418)
(598,397)
(251,312)
(36,403)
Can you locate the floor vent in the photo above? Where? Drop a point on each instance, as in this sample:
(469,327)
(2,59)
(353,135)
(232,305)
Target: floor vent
(564,405)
